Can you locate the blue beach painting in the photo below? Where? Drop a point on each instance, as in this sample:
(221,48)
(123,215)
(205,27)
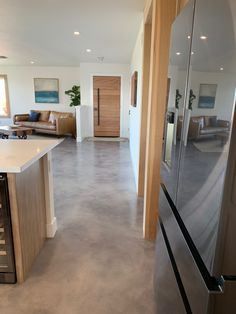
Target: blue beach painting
(207,96)
(46,90)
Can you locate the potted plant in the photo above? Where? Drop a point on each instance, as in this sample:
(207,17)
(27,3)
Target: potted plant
(74,94)
(80,112)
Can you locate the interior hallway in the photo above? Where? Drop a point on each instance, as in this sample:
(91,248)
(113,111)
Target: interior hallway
(98,262)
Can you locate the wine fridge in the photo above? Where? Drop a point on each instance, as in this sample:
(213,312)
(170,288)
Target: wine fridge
(7,263)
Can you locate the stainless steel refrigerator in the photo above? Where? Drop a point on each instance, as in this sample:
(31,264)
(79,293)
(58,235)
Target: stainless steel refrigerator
(195,268)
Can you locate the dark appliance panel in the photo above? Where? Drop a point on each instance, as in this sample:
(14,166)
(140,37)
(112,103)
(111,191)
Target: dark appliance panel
(7,264)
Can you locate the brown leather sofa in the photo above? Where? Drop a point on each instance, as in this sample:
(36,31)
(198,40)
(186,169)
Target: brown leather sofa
(206,126)
(202,126)
(50,122)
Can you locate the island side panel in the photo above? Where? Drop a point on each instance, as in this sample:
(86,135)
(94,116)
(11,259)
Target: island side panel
(51,222)
(28,205)
(16,232)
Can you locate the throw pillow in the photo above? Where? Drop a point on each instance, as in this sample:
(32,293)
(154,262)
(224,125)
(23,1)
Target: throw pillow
(34,116)
(213,121)
(52,118)
(44,115)
(207,121)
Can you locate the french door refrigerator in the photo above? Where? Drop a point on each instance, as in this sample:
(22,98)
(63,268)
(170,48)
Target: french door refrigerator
(195,267)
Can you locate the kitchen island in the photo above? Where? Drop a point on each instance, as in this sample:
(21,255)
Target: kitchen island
(26,166)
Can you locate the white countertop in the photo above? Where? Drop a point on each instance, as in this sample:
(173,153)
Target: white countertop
(17,155)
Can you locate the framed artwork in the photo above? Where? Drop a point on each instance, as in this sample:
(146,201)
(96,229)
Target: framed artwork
(207,96)
(134,84)
(46,90)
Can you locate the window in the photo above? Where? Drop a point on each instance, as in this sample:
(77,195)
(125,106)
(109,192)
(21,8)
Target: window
(4,98)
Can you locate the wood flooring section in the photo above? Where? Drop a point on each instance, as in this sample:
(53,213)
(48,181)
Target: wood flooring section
(106,101)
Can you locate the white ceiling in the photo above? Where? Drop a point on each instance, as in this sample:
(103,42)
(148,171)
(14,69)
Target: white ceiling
(215,19)
(42,31)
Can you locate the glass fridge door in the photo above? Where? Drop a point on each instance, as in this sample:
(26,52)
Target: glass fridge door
(177,79)
(207,123)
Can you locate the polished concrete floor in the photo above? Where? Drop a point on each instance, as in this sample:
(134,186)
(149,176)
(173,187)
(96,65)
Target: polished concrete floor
(98,262)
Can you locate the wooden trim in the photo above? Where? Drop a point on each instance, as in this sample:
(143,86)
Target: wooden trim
(4,76)
(15,226)
(164,12)
(180,5)
(144,109)
(51,221)
(148,12)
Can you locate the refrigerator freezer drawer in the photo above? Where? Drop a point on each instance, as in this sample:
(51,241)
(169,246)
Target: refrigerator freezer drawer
(194,285)
(226,302)
(168,296)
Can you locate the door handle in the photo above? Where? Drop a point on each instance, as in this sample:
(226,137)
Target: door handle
(98,109)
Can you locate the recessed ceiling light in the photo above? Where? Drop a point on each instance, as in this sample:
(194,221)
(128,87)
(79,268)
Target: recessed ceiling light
(76,33)
(178,53)
(3,57)
(88,50)
(32,62)
(192,53)
(222,69)
(189,36)
(203,37)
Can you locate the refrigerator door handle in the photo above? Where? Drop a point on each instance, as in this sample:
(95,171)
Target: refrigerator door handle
(214,285)
(175,270)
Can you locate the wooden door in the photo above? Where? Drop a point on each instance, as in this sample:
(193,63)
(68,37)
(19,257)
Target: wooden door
(106,105)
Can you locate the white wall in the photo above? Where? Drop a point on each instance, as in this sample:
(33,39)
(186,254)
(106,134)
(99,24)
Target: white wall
(226,84)
(135,112)
(87,71)
(21,87)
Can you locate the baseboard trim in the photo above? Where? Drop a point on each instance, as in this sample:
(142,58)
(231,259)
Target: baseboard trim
(51,228)
(79,139)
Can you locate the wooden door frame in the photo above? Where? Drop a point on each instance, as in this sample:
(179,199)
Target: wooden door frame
(121,96)
(164,13)
(145,96)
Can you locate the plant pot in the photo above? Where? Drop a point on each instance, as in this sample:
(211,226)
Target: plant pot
(81,113)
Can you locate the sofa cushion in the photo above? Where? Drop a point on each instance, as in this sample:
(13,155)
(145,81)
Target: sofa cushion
(27,124)
(54,115)
(52,118)
(212,130)
(199,120)
(21,117)
(34,116)
(207,120)
(213,121)
(58,114)
(44,115)
(44,125)
(37,125)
